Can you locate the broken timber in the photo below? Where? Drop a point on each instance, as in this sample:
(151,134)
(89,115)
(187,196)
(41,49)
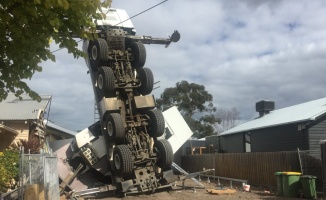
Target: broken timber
(69,179)
(221,191)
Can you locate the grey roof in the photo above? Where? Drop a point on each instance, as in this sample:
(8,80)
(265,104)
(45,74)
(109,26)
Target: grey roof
(308,111)
(8,130)
(14,109)
(195,142)
(59,128)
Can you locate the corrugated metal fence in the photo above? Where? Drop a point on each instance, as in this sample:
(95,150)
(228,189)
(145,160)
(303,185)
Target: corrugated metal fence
(257,168)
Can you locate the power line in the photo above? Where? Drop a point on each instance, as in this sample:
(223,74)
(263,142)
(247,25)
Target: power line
(143,12)
(62,48)
(124,20)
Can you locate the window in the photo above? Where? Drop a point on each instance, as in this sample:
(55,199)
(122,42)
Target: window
(247,139)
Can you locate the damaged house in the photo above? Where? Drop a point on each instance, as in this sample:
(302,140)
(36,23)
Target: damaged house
(23,119)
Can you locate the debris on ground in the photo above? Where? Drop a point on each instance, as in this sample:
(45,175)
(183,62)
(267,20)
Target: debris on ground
(221,191)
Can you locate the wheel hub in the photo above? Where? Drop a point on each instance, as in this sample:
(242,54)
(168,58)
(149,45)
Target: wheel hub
(100,81)
(94,53)
(117,162)
(109,128)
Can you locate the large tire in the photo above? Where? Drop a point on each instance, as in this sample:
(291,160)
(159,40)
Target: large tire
(156,123)
(146,80)
(122,161)
(138,51)
(105,81)
(115,128)
(165,153)
(98,53)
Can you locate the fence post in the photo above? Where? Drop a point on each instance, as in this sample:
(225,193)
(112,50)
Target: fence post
(300,160)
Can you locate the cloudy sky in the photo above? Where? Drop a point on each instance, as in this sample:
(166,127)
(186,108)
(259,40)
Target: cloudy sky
(241,51)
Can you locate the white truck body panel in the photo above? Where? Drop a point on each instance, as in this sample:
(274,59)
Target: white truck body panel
(115,17)
(178,127)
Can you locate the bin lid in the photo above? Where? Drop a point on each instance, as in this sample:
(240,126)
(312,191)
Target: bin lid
(309,176)
(278,173)
(292,173)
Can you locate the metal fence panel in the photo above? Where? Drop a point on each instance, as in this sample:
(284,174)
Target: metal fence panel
(51,180)
(39,170)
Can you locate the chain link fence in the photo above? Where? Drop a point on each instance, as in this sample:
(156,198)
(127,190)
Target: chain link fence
(38,177)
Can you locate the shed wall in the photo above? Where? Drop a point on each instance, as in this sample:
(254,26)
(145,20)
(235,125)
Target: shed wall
(280,138)
(316,133)
(212,144)
(232,143)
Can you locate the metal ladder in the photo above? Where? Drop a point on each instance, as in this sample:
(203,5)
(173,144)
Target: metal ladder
(183,172)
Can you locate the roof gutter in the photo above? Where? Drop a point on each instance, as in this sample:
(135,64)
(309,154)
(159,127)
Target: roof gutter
(261,127)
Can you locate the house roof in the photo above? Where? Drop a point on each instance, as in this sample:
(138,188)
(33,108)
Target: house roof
(14,109)
(4,128)
(304,112)
(59,129)
(195,142)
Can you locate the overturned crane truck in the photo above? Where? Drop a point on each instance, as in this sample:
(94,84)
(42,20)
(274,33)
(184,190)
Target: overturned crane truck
(123,147)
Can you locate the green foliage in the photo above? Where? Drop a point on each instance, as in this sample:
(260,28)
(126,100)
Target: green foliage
(9,169)
(191,99)
(25,30)
(188,97)
(201,128)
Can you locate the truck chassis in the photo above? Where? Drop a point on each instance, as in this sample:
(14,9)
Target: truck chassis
(129,127)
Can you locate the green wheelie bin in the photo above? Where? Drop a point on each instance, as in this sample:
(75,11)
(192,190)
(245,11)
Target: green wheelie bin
(279,185)
(291,184)
(309,186)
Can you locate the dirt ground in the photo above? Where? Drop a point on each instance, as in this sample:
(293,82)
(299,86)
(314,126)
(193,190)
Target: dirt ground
(191,192)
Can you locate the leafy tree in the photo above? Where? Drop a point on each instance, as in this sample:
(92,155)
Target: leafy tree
(202,127)
(9,169)
(191,99)
(26,26)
